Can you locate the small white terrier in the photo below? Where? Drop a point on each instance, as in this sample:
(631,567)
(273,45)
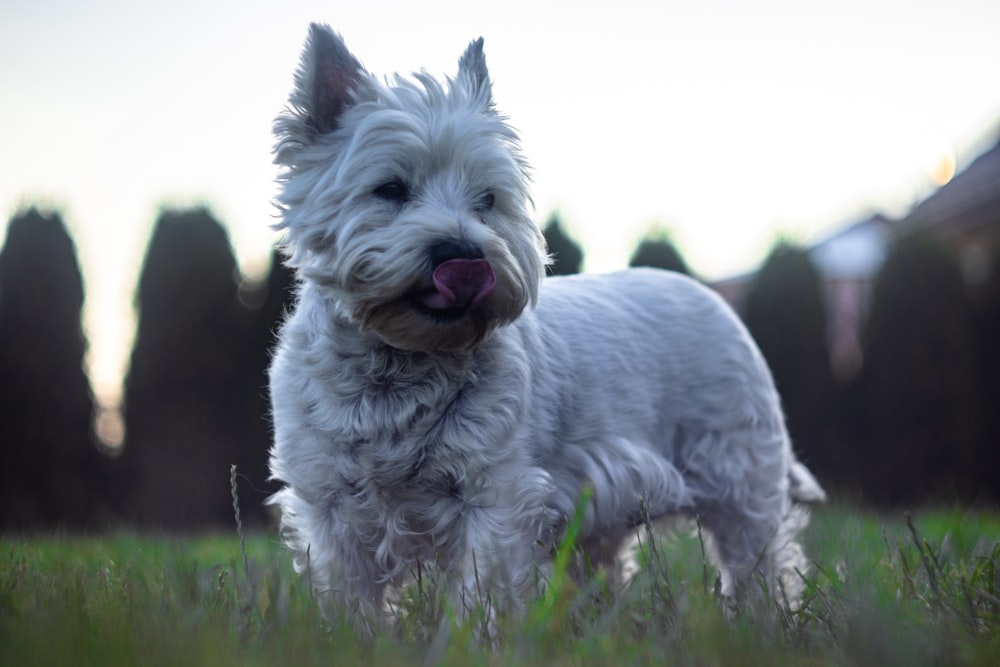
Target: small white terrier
(435,400)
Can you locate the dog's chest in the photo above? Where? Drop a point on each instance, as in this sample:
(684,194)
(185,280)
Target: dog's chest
(407,440)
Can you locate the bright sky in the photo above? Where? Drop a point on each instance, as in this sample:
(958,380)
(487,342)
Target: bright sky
(724,122)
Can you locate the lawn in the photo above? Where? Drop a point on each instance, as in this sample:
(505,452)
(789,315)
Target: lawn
(884,590)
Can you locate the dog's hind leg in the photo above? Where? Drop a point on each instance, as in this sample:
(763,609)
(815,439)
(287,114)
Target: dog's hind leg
(741,499)
(738,544)
(757,554)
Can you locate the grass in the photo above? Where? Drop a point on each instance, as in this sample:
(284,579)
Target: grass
(885,590)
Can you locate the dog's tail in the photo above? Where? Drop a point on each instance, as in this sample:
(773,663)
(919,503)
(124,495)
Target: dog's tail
(802,485)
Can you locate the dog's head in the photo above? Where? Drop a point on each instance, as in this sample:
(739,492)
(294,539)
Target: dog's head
(405,201)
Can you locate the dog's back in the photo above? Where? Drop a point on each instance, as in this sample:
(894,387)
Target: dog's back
(668,344)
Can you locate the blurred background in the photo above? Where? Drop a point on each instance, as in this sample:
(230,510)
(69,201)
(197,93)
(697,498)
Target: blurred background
(832,169)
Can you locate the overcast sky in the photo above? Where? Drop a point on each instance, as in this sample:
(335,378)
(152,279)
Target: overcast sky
(726,123)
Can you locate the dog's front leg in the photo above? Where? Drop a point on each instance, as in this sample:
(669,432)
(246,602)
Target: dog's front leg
(487,581)
(505,521)
(340,568)
(356,593)
(472,594)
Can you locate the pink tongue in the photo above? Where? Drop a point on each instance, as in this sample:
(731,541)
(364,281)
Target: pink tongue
(460,283)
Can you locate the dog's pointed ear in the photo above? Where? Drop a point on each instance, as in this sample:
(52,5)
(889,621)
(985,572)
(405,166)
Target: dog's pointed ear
(328,81)
(472,71)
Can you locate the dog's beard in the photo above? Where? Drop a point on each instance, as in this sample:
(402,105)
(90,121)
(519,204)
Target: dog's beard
(403,324)
(407,323)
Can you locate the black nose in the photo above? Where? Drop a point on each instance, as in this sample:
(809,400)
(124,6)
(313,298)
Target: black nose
(446,250)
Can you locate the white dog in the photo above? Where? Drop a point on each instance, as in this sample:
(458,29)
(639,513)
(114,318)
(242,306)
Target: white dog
(435,400)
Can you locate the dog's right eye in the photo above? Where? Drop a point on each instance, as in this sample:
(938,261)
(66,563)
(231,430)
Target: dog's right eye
(394,191)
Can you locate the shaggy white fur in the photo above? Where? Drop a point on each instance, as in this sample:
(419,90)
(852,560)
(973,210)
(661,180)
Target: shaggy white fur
(435,400)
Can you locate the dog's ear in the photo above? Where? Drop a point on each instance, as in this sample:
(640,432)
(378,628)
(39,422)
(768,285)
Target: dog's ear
(328,81)
(328,78)
(472,71)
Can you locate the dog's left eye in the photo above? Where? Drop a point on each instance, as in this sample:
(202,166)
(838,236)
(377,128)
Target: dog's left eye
(394,191)
(486,201)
